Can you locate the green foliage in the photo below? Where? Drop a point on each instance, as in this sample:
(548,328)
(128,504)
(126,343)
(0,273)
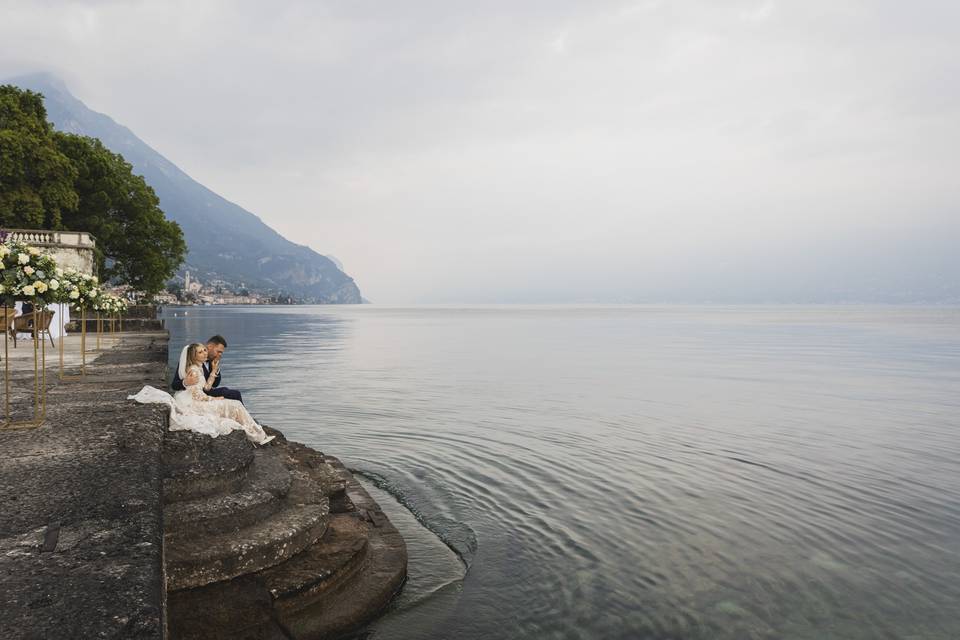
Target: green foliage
(55,180)
(36,180)
(136,244)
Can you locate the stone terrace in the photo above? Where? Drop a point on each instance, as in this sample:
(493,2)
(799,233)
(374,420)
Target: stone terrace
(111,526)
(80,515)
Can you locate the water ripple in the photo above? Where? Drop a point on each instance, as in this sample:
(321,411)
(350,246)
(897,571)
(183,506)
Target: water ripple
(641,472)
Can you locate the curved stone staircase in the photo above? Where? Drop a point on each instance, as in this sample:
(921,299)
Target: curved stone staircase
(271,542)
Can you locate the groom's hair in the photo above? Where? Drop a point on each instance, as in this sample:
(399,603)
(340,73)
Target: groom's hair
(218,339)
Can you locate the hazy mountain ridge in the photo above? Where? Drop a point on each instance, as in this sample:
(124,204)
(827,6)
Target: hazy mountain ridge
(224,240)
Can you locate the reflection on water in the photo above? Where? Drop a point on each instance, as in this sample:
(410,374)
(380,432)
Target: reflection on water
(639,472)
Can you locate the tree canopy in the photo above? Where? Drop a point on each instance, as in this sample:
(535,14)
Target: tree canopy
(136,244)
(55,180)
(36,179)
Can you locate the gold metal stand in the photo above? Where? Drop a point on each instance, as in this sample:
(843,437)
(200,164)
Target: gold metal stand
(39,376)
(100,332)
(83,345)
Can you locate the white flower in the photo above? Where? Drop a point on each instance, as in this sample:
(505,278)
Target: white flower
(94,278)
(59,272)
(33,251)
(54,284)
(29,291)
(74,294)
(41,286)
(23,258)
(4,250)
(2,288)
(28,270)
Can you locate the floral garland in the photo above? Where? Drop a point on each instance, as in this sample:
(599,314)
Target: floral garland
(27,274)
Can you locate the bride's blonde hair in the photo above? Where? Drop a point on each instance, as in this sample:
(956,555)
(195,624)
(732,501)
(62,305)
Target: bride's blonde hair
(192,353)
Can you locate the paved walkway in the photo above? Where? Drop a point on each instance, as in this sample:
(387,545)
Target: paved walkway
(80,511)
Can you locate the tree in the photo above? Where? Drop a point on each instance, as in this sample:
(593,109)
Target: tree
(55,180)
(136,244)
(36,179)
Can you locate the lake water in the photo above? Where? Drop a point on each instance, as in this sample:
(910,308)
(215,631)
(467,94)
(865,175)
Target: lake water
(635,471)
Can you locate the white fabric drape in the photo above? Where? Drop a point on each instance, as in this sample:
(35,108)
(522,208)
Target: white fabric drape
(180,420)
(56,321)
(182,365)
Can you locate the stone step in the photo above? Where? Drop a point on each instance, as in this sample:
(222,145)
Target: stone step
(267,482)
(245,607)
(329,587)
(304,579)
(301,520)
(197,465)
(367,591)
(230,610)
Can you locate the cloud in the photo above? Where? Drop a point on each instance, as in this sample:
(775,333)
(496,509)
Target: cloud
(759,13)
(484,151)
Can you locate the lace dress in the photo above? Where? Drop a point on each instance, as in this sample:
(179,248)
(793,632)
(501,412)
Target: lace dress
(193,410)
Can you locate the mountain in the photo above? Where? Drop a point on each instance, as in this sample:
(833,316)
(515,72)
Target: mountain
(225,241)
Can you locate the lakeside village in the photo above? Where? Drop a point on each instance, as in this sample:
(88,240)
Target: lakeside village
(190,290)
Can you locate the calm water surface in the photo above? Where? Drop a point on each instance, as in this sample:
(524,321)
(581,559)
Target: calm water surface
(636,472)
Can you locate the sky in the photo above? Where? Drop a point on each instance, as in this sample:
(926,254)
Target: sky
(453,151)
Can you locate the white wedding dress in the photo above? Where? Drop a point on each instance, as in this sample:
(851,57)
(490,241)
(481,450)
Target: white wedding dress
(193,410)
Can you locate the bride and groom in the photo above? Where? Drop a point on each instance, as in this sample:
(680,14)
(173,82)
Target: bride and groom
(200,404)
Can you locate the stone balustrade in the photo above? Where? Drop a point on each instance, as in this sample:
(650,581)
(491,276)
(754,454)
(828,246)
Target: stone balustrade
(44,238)
(68,248)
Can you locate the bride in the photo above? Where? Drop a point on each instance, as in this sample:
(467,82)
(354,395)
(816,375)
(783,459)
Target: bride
(193,410)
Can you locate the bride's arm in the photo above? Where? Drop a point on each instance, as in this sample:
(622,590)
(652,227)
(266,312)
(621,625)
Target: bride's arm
(196,390)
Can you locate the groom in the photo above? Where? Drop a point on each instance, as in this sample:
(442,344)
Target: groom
(215,348)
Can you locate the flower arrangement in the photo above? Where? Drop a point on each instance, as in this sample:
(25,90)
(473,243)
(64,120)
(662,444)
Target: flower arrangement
(27,274)
(110,304)
(78,289)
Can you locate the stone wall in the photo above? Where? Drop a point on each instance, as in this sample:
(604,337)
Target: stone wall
(68,248)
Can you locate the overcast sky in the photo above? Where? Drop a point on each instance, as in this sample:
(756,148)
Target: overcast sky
(547,151)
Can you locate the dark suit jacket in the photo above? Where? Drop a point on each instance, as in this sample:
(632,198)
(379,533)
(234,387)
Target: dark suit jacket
(177,383)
